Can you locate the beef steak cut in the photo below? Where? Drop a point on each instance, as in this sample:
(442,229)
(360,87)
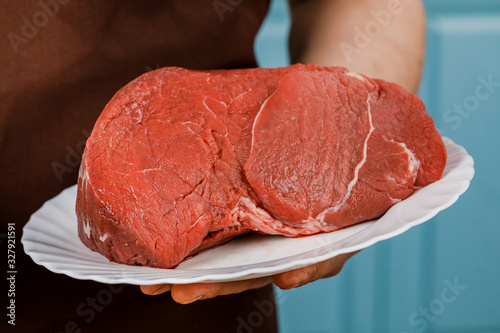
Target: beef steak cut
(180,161)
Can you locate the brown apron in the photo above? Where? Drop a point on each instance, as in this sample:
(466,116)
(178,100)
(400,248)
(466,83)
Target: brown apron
(61,61)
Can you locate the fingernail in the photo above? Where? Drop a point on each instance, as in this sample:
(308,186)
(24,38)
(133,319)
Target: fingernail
(295,285)
(193,300)
(161,290)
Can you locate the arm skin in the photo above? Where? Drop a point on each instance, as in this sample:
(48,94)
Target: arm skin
(395,52)
(319,27)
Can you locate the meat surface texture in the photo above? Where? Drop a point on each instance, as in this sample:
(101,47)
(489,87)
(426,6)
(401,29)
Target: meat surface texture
(180,161)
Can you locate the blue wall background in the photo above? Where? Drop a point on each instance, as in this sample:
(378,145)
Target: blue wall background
(382,287)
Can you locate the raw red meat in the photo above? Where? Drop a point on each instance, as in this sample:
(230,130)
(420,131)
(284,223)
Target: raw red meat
(180,161)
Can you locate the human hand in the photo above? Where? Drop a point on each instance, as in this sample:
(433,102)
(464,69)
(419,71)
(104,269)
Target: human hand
(188,293)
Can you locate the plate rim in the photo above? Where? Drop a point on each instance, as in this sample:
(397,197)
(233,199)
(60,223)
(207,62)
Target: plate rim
(242,272)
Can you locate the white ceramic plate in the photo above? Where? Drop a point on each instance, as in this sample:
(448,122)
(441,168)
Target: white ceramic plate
(50,238)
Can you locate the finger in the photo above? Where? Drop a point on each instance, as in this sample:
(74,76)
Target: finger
(305,275)
(188,293)
(156,289)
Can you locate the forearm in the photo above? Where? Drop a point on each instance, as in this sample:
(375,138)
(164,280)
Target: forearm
(347,33)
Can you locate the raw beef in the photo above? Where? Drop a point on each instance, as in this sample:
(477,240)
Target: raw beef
(180,161)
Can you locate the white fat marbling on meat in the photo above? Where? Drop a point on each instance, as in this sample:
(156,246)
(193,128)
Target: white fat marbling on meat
(413,161)
(86,229)
(350,186)
(82,172)
(256,119)
(240,95)
(394,201)
(209,109)
(104,237)
(259,219)
(197,220)
(83,176)
(357,76)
